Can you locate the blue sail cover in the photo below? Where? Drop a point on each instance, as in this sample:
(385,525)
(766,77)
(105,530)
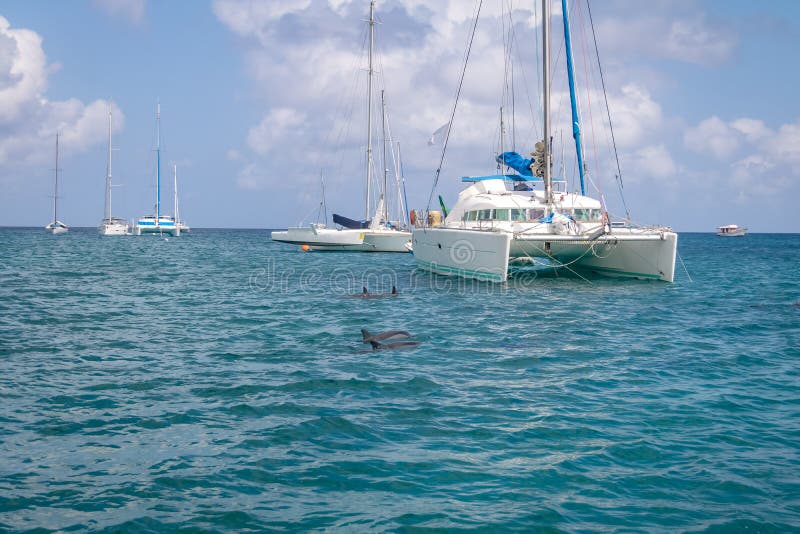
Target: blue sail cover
(349,223)
(516,162)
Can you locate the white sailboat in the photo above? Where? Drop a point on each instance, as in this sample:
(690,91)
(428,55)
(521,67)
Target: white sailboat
(56,227)
(503,220)
(111,225)
(158,223)
(182,226)
(376,233)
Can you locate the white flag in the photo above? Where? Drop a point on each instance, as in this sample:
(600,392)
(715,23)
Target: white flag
(438,134)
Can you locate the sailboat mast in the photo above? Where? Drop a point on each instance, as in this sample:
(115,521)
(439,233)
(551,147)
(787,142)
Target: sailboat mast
(369,105)
(108,172)
(548,178)
(576,120)
(158,162)
(55,189)
(402,180)
(384,193)
(175,189)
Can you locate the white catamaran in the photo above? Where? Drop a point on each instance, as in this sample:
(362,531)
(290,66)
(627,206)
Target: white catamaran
(503,219)
(56,227)
(377,234)
(158,223)
(111,225)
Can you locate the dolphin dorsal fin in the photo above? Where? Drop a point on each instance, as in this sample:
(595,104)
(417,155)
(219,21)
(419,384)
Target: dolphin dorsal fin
(364,291)
(394,290)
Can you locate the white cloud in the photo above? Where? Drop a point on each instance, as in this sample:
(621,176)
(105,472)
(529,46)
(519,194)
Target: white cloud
(24,74)
(713,136)
(314,68)
(663,32)
(761,161)
(655,161)
(637,117)
(131,10)
(694,41)
(251,18)
(28,120)
(278,125)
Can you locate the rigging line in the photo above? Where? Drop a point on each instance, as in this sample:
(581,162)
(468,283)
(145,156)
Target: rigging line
(608,112)
(394,160)
(538,55)
(511,61)
(589,105)
(534,116)
(348,105)
(455,103)
(684,268)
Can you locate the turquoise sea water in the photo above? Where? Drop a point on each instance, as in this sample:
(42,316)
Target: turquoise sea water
(217,382)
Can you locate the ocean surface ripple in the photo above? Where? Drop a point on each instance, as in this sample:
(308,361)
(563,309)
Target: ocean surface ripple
(218,382)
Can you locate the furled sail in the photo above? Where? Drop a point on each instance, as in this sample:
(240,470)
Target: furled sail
(349,223)
(516,162)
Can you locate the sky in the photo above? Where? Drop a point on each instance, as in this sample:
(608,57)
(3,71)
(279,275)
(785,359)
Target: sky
(260,99)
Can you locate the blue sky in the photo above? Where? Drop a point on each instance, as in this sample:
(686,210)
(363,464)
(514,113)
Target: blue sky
(256,99)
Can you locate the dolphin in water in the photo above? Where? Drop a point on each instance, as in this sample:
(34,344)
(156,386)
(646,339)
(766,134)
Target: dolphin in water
(383,336)
(365,294)
(377,345)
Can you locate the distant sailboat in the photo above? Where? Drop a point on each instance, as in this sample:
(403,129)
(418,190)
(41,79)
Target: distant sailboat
(182,226)
(56,227)
(377,234)
(157,224)
(111,225)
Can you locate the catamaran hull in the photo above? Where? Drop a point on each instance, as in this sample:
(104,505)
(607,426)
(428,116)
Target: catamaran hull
(389,241)
(468,254)
(348,240)
(627,253)
(171,230)
(485,255)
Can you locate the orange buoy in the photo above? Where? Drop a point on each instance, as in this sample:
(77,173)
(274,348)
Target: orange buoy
(413,216)
(305,248)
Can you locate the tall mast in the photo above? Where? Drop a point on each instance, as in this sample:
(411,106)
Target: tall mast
(108,171)
(55,190)
(175,188)
(384,193)
(158,162)
(369,105)
(402,180)
(548,178)
(576,120)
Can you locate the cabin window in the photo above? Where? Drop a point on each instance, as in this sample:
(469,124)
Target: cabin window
(485,215)
(517,214)
(501,214)
(534,214)
(587,215)
(471,215)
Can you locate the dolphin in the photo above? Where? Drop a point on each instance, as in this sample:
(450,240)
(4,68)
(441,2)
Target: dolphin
(383,336)
(367,295)
(393,346)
